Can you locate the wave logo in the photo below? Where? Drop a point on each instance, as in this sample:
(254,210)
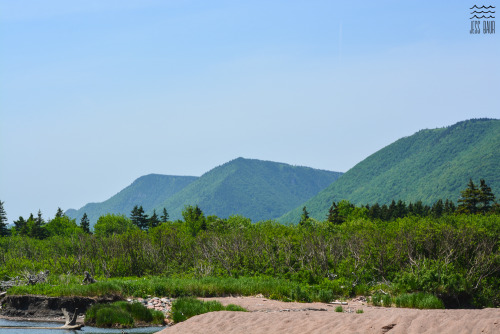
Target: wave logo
(483,15)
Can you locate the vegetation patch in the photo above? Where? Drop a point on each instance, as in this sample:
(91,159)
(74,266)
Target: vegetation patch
(187,307)
(122,315)
(419,300)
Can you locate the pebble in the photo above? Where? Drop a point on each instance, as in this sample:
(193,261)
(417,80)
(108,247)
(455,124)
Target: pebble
(162,304)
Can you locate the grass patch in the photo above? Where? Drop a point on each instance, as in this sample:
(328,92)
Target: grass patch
(381,300)
(419,300)
(339,309)
(187,307)
(274,288)
(359,311)
(121,315)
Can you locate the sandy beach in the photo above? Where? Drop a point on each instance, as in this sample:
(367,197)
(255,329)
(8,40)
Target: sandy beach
(270,316)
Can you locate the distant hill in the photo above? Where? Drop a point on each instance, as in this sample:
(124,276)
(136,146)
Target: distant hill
(148,191)
(253,188)
(427,166)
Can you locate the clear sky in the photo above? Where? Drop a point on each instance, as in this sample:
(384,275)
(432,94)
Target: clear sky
(96,93)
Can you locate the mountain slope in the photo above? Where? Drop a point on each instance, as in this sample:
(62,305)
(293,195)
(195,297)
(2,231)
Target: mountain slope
(148,191)
(427,166)
(253,188)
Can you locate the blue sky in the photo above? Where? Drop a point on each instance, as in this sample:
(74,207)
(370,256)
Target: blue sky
(94,94)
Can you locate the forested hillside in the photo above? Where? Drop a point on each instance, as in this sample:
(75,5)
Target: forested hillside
(148,191)
(253,188)
(427,166)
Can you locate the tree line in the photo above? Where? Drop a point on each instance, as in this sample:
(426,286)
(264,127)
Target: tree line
(475,199)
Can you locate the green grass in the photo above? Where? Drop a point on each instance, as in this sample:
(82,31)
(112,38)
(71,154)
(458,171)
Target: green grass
(419,300)
(379,299)
(187,307)
(339,309)
(274,288)
(359,311)
(121,314)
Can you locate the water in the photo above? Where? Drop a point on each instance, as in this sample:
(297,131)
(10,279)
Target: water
(85,329)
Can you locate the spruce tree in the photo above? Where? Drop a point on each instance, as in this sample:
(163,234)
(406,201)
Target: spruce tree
(305,216)
(469,199)
(449,206)
(486,197)
(438,208)
(20,226)
(85,223)
(334,215)
(138,217)
(59,213)
(164,217)
(154,221)
(3,221)
(37,230)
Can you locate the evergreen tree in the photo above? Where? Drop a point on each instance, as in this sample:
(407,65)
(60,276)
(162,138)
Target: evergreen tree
(85,223)
(374,212)
(384,213)
(154,221)
(305,216)
(449,207)
(37,228)
(438,208)
(469,199)
(139,218)
(21,226)
(59,213)
(486,197)
(418,209)
(164,217)
(3,221)
(334,215)
(392,211)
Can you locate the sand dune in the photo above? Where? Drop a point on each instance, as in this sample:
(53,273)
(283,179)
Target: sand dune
(268,316)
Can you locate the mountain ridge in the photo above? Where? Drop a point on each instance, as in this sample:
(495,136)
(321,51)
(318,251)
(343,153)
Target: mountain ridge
(256,189)
(428,165)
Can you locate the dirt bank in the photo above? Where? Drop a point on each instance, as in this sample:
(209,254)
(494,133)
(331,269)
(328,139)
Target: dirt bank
(42,307)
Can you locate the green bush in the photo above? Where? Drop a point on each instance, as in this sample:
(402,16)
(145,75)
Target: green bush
(108,315)
(187,307)
(433,277)
(339,309)
(121,314)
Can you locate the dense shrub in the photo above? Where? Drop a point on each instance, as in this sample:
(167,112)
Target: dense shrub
(454,257)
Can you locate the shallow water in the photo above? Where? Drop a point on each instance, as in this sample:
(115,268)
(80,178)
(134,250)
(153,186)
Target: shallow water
(85,329)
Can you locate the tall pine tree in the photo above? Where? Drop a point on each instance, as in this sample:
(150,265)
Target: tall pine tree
(85,223)
(486,197)
(3,221)
(469,199)
(305,217)
(139,218)
(154,221)
(164,217)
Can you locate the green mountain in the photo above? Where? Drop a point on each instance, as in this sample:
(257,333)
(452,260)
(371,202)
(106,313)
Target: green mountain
(427,166)
(148,191)
(255,189)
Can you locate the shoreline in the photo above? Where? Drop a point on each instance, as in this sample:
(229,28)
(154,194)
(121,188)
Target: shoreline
(271,316)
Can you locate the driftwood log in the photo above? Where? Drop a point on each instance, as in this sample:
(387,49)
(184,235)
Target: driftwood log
(38,278)
(70,322)
(88,279)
